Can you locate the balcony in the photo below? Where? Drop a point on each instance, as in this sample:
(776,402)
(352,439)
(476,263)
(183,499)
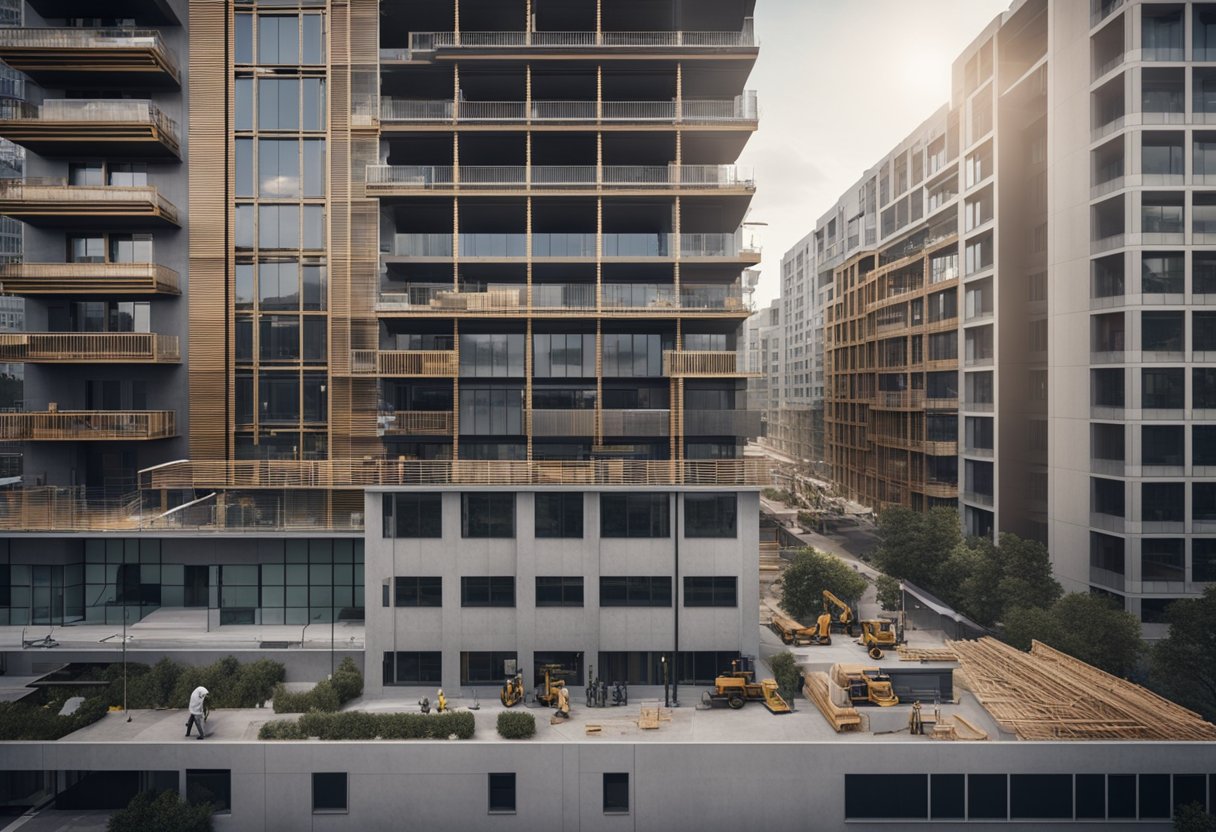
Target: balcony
(707,363)
(72,57)
(83,127)
(54,203)
(415,423)
(404,363)
(722,423)
(573,246)
(563,422)
(557,299)
(89,348)
(742,110)
(404,180)
(898,400)
(152,12)
(35,279)
(425,43)
(636,422)
(84,425)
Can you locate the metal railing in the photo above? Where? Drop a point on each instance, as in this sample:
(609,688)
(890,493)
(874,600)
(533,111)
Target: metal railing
(116,110)
(722,422)
(563,296)
(425,363)
(742,108)
(87,424)
(64,278)
(72,38)
(433,177)
(636,422)
(563,422)
(357,473)
(34,191)
(416,422)
(432,41)
(70,347)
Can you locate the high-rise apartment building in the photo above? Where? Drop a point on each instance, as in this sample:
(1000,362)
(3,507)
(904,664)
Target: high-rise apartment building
(1020,300)
(340,280)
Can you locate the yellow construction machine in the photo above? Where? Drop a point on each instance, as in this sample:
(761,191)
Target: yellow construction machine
(865,685)
(512,692)
(844,618)
(792,632)
(878,635)
(548,694)
(737,687)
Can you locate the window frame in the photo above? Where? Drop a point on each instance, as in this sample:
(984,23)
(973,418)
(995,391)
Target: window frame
(331,810)
(566,502)
(724,523)
(565,586)
(412,588)
(504,778)
(493,584)
(486,527)
(619,779)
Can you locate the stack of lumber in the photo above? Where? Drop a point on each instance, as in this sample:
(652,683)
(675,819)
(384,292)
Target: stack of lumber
(925,654)
(1046,694)
(832,702)
(649,718)
(957,727)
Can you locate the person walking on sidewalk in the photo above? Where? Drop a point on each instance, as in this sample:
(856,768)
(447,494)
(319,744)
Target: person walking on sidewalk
(197,699)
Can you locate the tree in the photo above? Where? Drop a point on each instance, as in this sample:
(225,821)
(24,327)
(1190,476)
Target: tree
(983,581)
(890,597)
(152,812)
(1088,627)
(1192,818)
(785,671)
(1184,662)
(913,545)
(803,582)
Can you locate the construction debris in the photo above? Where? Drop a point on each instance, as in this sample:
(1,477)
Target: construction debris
(842,716)
(957,727)
(1049,695)
(925,654)
(649,718)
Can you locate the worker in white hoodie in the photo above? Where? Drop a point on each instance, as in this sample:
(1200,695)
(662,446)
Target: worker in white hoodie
(197,699)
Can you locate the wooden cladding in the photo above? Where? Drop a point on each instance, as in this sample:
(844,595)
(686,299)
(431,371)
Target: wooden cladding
(89,347)
(404,363)
(86,425)
(416,423)
(63,56)
(57,203)
(32,279)
(701,363)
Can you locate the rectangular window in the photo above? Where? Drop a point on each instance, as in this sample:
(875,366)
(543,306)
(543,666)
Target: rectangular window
(413,515)
(559,514)
(559,591)
(210,785)
(987,796)
(1121,796)
(1040,796)
(329,791)
(413,668)
(710,515)
(487,514)
(493,591)
(1154,793)
(1188,789)
(502,792)
(639,591)
(634,515)
(616,793)
(947,799)
(418,591)
(487,667)
(711,591)
(1091,796)
(886,797)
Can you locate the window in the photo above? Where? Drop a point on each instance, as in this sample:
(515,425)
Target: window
(559,591)
(1091,796)
(498,355)
(418,591)
(1162,154)
(1163,502)
(640,591)
(1154,796)
(986,796)
(1162,331)
(210,785)
(413,668)
(487,514)
(1162,559)
(710,515)
(1162,444)
(328,791)
(502,792)
(1203,501)
(1108,388)
(1040,796)
(487,667)
(413,515)
(1203,445)
(634,515)
(886,797)
(1203,560)
(1121,796)
(1190,788)
(947,796)
(1163,389)
(1162,274)
(1203,392)
(710,591)
(616,793)
(495,591)
(559,514)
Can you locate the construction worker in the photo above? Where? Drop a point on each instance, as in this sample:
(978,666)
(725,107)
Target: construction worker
(563,703)
(441,702)
(197,700)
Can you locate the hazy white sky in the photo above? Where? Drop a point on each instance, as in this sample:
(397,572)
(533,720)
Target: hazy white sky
(840,83)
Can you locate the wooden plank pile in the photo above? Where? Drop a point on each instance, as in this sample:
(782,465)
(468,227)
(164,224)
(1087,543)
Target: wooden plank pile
(925,654)
(957,727)
(649,718)
(1047,695)
(842,716)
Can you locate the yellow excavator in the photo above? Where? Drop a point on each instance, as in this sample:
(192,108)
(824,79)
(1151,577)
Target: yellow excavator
(865,685)
(878,635)
(736,688)
(512,692)
(792,632)
(844,618)
(549,694)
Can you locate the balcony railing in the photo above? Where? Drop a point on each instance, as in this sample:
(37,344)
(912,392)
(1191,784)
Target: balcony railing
(741,109)
(701,363)
(361,473)
(88,279)
(636,422)
(571,245)
(107,120)
(563,422)
(36,201)
(722,422)
(433,41)
(89,347)
(630,298)
(41,51)
(404,363)
(76,425)
(416,423)
(394,178)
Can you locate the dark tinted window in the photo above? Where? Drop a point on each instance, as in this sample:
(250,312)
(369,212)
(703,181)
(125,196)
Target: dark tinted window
(493,591)
(947,799)
(1154,796)
(986,796)
(484,667)
(413,668)
(710,515)
(1163,389)
(210,785)
(419,592)
(886,796)
(1163,502)
(616,792)
(710,592)
(559,514)
(490,514)
(559,592)
(1091,796)
(1036,796)
(329,791)
(1189,788)
(502,792)
(634,515)
(413,515)
(635,591)
(1121,796)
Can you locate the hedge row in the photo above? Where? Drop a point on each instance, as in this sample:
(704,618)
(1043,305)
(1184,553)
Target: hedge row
(359,725)
(516,725)
(327,696)
(169,684)
(25,721)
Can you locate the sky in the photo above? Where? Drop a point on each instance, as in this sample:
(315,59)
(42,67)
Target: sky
(840,83)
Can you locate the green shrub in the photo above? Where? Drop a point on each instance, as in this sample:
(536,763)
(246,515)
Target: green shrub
(232,685)
(514,725)
(152,812)
(27,721)
(360,725)
(347,681)
(323,697)
(785,671)
(889,595)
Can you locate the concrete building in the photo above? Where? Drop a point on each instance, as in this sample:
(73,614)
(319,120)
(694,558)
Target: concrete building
(762,346)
